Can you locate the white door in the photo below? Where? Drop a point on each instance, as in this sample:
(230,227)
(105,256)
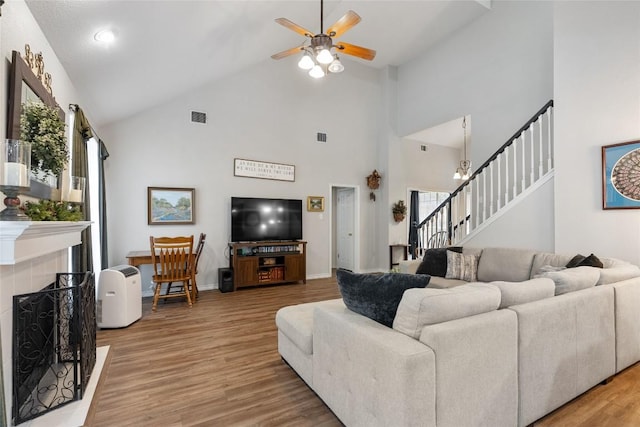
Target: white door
(345,225)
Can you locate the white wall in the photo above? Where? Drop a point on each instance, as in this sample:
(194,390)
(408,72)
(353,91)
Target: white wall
(511,229)
(597,98)
(498,70)
(269,113)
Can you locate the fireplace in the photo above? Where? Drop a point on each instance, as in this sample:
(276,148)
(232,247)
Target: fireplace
(54,345)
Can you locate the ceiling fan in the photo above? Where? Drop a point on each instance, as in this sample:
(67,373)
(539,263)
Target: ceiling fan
(318,57)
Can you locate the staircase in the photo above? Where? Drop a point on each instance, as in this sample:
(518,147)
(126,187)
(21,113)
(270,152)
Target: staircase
(520,166)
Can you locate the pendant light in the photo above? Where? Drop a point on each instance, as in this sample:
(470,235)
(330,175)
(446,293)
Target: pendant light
(464,170)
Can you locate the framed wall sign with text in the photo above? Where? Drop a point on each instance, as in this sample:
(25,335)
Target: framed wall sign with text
(264,170)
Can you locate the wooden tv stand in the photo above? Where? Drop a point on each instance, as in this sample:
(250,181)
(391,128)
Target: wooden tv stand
(268,263)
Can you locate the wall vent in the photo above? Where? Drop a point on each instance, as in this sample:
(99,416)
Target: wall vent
(198,117)
(322,137)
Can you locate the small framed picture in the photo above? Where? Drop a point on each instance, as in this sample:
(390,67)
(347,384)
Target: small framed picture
(315,204)
(166,205)
(621,176)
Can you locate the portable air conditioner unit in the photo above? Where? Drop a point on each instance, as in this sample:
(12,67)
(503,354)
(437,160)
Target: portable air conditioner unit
(119,297)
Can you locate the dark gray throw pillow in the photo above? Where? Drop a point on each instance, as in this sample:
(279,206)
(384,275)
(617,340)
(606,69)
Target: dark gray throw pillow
(434,262)
(585,261)
(377,296)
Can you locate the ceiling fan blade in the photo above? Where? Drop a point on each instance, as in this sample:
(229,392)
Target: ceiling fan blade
(353,50)
(294,27)
(287,52)
(343,24)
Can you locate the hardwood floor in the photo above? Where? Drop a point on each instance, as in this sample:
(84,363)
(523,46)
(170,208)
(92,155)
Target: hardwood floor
(217,364)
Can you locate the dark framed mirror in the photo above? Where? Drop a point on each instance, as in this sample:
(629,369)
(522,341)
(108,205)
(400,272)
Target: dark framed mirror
(25,86)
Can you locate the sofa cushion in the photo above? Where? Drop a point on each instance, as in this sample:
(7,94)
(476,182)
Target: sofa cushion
(573,279)
(544,259)
(618,273)
(442,283)
(509,264)
(421,307)
(377,296)
(523,292)
(462,267)
(296,322)
(434,261)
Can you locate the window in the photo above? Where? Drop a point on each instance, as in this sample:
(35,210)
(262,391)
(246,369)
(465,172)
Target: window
(428,202)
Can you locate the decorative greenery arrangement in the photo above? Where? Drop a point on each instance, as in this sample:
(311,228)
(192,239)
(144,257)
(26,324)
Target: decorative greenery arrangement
(48,210)
(42,127)
(399,210)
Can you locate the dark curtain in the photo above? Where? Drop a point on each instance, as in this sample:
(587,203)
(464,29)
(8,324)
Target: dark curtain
(104,154)
(414,217)
(81,255)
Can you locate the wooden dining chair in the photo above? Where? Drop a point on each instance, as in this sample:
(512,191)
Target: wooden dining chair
(173,262)
(193,286)
(199,248)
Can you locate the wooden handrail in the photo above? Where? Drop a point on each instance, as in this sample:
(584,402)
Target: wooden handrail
(504,146)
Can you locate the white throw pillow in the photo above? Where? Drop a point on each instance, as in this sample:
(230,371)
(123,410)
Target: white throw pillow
(463,267)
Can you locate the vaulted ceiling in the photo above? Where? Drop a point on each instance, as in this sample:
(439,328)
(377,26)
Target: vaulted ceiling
(164,48)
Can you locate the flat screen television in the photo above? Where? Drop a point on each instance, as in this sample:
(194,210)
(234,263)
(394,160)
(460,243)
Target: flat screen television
(259,219)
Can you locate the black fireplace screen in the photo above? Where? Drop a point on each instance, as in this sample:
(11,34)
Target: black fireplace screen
(54,345)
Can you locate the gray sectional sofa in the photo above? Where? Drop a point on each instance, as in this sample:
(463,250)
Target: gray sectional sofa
(502,351)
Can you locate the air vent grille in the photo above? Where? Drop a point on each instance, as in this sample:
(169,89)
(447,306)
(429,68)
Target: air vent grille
(198,117)
(322,137)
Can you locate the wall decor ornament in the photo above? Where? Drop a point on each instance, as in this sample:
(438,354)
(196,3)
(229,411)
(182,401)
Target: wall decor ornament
(41,126)
(399,210)
(315,204)
(264,170)
(168,206)
(373,182)
(621,176)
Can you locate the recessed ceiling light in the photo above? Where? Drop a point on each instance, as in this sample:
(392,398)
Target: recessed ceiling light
(104,36)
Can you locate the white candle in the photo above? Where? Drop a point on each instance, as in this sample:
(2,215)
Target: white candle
(15,174)
(75,196)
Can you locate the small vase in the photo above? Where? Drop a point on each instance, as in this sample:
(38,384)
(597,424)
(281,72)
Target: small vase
(398,217)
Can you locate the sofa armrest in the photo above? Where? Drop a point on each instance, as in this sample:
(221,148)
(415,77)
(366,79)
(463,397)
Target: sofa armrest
(409,266)
(371,375)
(476,369)
(627,315)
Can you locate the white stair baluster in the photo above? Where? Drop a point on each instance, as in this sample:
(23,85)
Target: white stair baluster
(506,175)
(532,172)
(524,168)
(490,188)
(549,137)
(499,190)
(540,146)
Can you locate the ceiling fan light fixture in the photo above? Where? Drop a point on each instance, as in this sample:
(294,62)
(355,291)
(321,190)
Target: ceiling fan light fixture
(104,36)
(336,66)
(324,57)
(306,63)
(316,72)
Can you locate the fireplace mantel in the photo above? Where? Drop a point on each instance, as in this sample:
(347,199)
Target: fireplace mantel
(24,240)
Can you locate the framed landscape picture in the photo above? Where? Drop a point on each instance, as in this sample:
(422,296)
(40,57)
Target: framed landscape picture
(166,205)
(621,176)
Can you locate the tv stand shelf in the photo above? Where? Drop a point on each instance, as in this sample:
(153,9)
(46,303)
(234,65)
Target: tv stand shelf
(268,263)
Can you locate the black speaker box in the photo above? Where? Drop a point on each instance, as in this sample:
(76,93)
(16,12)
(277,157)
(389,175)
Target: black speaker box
(225,279)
